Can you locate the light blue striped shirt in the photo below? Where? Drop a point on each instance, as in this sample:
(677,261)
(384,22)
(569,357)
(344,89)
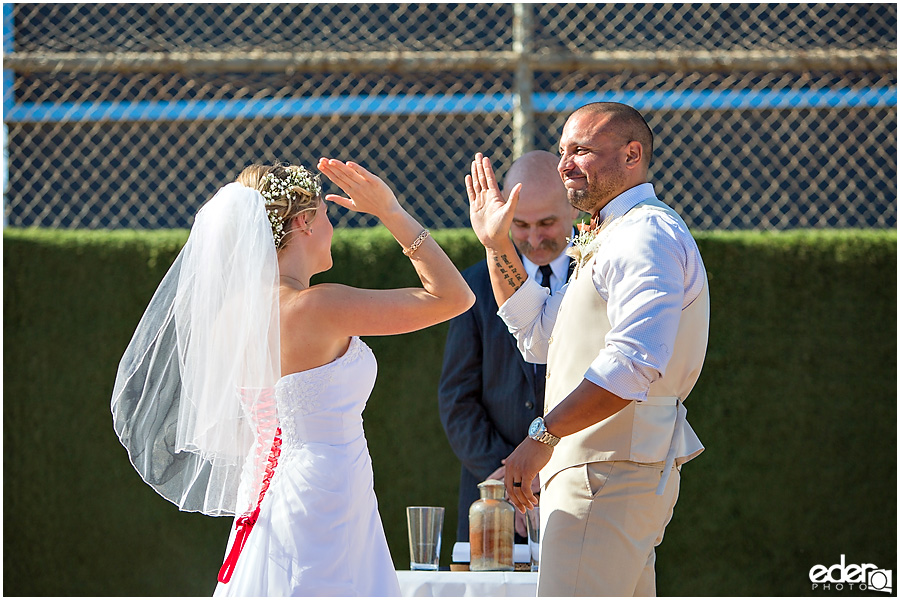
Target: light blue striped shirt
(648,269)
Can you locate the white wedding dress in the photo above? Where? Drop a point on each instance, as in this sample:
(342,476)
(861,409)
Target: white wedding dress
(319,532)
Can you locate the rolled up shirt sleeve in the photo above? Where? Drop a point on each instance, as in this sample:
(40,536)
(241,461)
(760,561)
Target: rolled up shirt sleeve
(530,314)
(641,275)
(647,270)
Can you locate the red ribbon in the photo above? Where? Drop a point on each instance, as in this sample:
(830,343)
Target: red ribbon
(244,525)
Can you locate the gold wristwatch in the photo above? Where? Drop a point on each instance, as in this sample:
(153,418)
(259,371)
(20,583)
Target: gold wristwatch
(538,432)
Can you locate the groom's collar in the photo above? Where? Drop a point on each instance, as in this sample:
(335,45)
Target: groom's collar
(627,200)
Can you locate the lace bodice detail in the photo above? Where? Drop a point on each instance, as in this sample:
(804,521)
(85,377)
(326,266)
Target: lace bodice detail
(325,404)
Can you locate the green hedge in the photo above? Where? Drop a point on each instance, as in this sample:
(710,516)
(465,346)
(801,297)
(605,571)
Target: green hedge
(796,406)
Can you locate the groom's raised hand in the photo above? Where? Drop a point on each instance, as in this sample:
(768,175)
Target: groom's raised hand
(491,214)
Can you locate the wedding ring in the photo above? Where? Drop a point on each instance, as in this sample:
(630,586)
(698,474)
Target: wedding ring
(517,484)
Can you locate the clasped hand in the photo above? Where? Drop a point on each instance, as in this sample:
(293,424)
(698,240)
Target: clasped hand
(524,466)
(500,474)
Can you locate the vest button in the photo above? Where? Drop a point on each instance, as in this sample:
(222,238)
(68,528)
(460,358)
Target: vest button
(529,405)
(550,340)
(547,376)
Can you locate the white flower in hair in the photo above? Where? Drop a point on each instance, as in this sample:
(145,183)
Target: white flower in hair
(278,188)
(277,227)
(299,178)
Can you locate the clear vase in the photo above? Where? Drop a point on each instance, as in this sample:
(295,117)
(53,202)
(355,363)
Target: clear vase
(491,529)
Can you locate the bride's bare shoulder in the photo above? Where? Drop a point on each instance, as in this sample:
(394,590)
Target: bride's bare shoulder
(317,300)
(312,333)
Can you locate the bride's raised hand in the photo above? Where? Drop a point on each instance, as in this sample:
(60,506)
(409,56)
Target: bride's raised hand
(366,192)
(491,215)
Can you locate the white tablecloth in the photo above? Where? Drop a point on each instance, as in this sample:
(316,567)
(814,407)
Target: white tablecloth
(467,583)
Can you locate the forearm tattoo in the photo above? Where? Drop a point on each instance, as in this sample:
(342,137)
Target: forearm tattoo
(508,272)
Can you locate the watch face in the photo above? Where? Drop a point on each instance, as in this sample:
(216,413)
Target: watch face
(535,427)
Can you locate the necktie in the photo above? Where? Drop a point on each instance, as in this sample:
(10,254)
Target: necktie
(546,272)
(540,371)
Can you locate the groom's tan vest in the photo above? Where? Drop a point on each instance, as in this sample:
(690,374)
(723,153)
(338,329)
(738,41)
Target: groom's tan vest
(643,431)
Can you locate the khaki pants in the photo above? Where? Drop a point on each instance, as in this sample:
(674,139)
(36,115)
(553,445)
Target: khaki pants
(600,525)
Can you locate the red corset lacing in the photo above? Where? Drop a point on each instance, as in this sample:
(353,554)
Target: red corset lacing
(245,523)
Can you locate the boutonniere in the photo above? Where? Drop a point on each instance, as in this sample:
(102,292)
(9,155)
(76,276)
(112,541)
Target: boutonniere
(586,241)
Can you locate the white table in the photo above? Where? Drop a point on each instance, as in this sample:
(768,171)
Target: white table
(467,583)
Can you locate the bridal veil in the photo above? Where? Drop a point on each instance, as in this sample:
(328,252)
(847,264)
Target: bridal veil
(193,402)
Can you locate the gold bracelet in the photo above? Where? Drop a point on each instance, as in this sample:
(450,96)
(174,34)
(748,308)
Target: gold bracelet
(416,243)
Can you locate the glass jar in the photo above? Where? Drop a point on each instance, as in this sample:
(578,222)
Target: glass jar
(491,529)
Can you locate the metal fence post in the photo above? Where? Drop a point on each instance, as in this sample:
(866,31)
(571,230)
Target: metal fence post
(523,109)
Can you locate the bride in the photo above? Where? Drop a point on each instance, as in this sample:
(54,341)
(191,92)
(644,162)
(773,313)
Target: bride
(242,390)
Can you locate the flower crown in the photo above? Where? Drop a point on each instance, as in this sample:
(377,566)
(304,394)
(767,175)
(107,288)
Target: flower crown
(278,188)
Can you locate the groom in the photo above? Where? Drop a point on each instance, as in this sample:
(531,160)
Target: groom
(629,335)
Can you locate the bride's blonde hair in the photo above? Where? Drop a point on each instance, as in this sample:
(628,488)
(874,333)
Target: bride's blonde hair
(289,191)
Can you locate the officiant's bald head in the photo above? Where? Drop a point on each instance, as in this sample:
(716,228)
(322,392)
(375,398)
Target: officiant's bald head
(544,217)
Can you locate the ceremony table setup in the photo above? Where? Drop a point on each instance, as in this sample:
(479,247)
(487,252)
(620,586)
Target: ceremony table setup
(498,566)
(436,584)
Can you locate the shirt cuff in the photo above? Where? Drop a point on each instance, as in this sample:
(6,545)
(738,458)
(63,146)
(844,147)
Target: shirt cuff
(615,374)
(524,306)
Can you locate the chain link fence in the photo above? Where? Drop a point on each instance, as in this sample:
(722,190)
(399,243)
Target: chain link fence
(766,116)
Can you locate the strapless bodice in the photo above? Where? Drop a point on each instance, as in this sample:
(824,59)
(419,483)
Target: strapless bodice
(325,404)
(318,532)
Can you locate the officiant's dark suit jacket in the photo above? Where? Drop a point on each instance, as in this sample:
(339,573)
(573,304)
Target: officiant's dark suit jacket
(487,395)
